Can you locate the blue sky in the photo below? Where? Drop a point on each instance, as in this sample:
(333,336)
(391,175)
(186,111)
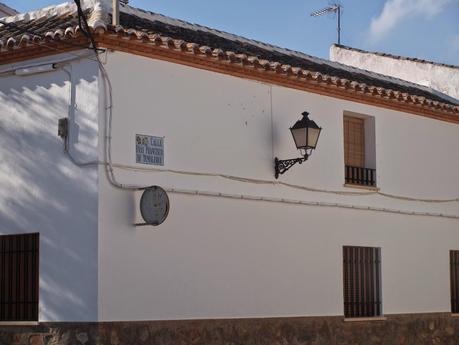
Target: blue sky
(427,29)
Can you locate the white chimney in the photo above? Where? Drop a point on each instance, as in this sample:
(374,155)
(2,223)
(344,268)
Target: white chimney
(116,13)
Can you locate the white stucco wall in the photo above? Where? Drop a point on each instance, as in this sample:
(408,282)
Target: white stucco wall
(220,258)
(42,191)
(436,76)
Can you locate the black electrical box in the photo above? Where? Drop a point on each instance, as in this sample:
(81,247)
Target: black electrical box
(63,127)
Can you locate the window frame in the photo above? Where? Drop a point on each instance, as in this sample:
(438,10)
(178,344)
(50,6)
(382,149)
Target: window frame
(454,280)
(350,135)
(362,286)
(19,277)
(359,150)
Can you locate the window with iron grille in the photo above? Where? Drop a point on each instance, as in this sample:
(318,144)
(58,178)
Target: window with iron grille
(359,150)
(454,264)
(19,256)
(362,281)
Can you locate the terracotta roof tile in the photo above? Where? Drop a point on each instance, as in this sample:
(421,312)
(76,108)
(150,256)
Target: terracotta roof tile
(242,48)
(174,34)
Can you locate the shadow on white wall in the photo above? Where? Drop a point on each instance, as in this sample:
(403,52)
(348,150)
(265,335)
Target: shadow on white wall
(42,191)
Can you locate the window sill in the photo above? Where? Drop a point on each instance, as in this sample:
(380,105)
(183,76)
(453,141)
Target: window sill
(18,323)
(364,319)
(454,314)
(359,186)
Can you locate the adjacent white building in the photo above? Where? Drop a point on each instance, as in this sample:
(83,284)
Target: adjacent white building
(237,242)
(438,76)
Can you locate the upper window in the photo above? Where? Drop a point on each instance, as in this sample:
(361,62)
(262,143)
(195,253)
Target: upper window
(359,150)
(354,141)
(454,271)
(19,277)
(362,281)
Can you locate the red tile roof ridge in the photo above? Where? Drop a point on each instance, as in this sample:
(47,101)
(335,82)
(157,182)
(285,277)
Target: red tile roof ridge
(99,21)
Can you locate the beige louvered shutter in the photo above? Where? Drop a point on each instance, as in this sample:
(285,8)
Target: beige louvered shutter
(354,142)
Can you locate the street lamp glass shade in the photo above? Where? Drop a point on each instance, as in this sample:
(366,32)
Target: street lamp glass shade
(300,136)
(313,137)
(306,133)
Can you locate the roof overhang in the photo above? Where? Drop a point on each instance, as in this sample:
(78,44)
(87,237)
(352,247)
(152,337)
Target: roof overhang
(226,62)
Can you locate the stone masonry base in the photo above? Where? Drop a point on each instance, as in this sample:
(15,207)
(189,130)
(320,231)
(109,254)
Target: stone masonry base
(410,329)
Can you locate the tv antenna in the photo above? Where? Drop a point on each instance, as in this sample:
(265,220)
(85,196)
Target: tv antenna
(334,8)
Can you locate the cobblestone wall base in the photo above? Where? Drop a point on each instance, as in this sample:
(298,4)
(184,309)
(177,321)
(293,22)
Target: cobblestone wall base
(410,329)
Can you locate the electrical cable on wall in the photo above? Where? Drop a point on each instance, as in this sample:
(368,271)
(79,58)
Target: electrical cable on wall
(70,117)
(290,185)
(107,88)
(112,178)
(109,166)
(241,179)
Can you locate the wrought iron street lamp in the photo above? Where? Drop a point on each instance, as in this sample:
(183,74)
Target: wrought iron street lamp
(305,133)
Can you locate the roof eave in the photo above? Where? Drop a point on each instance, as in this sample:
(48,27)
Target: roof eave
(230,63)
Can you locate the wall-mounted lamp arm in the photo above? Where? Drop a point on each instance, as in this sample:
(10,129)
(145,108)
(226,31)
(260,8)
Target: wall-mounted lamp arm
(305,133)
(281,166)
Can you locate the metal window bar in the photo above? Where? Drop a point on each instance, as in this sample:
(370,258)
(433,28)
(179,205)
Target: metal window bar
(454,264)
(19,263)
(362,280)
(360,176)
